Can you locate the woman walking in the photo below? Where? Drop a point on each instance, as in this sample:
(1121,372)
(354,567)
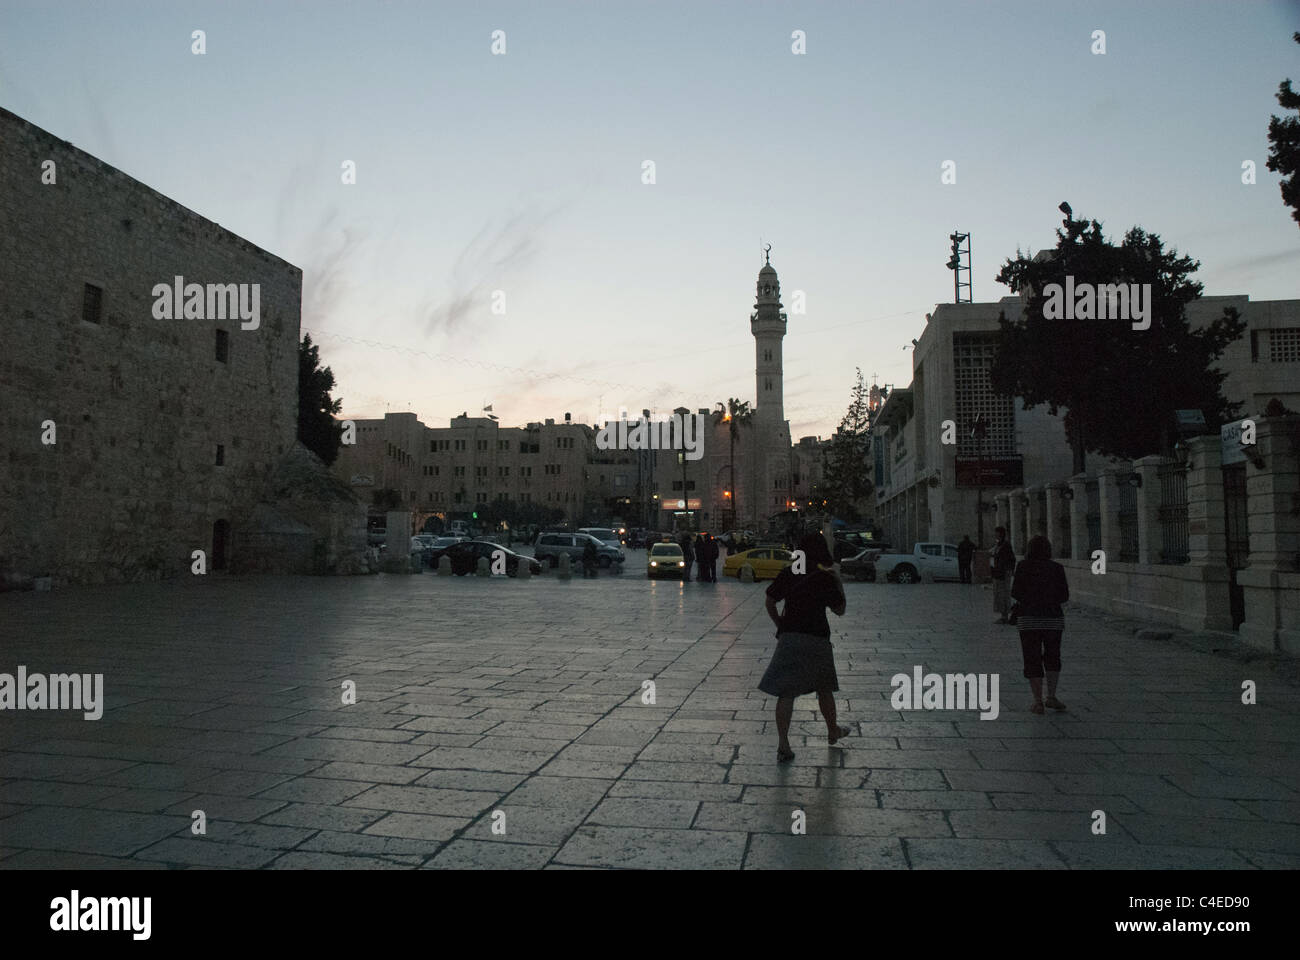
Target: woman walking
(1039,590)
(804,661)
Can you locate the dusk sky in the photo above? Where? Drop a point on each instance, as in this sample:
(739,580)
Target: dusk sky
(523,172)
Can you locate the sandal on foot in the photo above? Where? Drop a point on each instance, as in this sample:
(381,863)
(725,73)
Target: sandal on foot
(1054,703)
(1036,707)
(844,732)
(784,756)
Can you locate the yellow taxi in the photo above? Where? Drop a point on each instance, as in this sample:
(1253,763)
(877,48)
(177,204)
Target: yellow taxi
(665,560)
(763,563)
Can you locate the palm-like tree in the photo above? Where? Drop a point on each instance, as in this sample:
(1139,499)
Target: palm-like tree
(735,414)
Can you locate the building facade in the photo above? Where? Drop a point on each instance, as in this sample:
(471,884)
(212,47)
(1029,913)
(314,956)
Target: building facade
(130,440)
(929,489)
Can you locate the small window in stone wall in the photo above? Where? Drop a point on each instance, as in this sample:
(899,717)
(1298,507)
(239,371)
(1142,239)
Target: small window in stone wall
(92,303)
(221,454)
(223,346)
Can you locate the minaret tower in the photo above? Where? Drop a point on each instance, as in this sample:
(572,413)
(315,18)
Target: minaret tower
(767,323)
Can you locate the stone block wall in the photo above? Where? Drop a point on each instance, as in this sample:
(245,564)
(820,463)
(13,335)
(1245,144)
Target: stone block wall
(140,405)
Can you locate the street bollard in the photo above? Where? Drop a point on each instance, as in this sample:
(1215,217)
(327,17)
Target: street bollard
(444,566)
(524,570)
(484,567)
(566,568)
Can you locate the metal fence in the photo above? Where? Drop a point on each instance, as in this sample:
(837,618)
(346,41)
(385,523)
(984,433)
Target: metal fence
(1093,515)
(1173,512)
(1128,522)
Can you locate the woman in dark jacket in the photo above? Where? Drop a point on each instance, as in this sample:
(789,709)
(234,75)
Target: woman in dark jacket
(804,662)
(1039,590)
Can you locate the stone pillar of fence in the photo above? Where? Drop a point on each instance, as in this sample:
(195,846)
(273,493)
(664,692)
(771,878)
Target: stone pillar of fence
(1207,540)
(1015,512)
(1108,502)
(1079,517)
(1150,535)
(1270,582)
(1037,514)
(1052,520)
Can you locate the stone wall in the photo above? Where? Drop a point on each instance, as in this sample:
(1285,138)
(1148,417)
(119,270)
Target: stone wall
(132,485)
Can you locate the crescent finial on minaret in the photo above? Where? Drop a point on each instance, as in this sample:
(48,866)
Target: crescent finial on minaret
(767,254)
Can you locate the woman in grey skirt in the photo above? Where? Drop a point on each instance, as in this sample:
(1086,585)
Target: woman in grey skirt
(804,662)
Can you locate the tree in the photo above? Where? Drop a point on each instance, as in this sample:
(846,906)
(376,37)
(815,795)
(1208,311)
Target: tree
(1119,385)
(1284,145)
(847,480)
(735,414)
(317,429)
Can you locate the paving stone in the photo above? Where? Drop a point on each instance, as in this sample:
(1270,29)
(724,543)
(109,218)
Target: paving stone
(639,848)
(467,854)
(771,851)
(425,800)
(967,854)
(321,817)
(643,812)
(79,830)
(1119,855)
(61,860)
(200,852)
(370,773)
(314,790)
(303,860)
(416,826)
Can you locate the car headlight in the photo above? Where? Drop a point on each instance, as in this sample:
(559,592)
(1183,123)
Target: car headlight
(654,563)
(681,563)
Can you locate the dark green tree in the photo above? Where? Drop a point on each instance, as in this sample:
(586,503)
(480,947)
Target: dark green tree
(1284,145)
(847,478)
(1119,386)
(317,429)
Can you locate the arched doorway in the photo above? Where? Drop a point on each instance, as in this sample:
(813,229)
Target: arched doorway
(220,544)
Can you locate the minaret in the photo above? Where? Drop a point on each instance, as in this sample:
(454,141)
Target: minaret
(767,323)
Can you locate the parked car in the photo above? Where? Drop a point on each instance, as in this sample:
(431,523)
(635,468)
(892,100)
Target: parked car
(665,560)
(764,562)
(551,545)
(605,535)
(861,567)
(637,538)
(465,555)
(935,560)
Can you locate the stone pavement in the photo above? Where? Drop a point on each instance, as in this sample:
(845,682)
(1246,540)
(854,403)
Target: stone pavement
(493,702)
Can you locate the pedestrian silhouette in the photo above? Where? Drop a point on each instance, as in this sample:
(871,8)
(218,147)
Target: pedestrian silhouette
(965,551)
(804,661)
(1039,590)
(1004,565)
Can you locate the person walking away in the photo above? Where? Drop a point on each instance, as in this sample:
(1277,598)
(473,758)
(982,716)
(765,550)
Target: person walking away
(1039,590)
(804,661)
(589,560)
(1003,566)
(706,560)
(688,555)
(965,551)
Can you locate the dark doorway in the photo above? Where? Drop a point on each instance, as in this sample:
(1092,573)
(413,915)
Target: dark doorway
(220,544)
(1238,534)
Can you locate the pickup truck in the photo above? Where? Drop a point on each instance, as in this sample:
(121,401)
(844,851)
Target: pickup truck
(931,561)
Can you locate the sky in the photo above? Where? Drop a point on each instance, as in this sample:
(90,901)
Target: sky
(523,172)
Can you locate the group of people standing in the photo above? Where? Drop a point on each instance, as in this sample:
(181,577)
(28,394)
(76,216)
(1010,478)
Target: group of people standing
(1028,594)
(703,552)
